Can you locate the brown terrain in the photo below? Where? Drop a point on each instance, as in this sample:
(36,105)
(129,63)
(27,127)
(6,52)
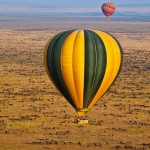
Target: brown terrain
(34,115)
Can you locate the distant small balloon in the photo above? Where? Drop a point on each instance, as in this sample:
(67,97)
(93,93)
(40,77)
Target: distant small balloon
(108,9)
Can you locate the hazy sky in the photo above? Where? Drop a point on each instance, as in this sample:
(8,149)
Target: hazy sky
(140,6)
(71,3)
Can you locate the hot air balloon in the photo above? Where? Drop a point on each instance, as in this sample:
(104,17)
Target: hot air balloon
(82,64)
(108,9)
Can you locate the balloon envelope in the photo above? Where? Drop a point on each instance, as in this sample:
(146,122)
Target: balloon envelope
(108,9)
(83,64)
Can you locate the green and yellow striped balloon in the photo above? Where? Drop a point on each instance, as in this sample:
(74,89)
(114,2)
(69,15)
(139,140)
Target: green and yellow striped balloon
(83,64)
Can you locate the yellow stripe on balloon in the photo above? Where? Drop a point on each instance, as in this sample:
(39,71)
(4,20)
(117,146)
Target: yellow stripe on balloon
(113,64)
(78,66)
(67,63)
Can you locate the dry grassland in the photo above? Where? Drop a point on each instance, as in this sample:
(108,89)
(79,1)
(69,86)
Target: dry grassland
(33,114)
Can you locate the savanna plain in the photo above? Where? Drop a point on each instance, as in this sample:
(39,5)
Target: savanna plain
(35,116)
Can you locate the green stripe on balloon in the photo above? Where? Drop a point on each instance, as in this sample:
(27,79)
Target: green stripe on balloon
(54,54)
(90,57)
(100,67)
